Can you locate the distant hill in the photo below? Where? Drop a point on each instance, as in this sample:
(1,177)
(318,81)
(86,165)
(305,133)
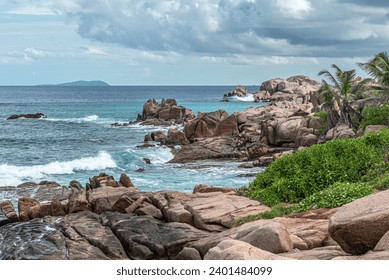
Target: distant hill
(83,84)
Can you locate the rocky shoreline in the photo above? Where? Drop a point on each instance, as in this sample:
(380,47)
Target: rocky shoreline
(112,219)
(259,134)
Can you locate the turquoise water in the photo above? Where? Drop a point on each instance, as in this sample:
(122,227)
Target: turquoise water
(76,141)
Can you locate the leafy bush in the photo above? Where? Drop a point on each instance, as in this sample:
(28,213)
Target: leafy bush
(375,115)
(297,176)
(334,196)
(322,115)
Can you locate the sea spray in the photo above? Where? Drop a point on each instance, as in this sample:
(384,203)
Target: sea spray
(13,175)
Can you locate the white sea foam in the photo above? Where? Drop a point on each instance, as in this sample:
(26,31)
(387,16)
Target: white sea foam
(157,155)
(13,175)
(91,118)
(248,98)
(151,128)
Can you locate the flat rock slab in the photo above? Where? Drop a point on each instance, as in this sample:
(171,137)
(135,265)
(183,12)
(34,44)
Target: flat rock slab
(320,253)
(42,193)
(306,233)
(220,211)
(239,250)
(79,236)
(358,226)
(263,234)
(144,237)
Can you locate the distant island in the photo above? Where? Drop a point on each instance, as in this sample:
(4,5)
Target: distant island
(82,84)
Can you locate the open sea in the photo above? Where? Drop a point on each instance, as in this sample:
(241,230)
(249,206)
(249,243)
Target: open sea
(76,140)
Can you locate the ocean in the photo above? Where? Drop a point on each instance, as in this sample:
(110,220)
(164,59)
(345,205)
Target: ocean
(76,141)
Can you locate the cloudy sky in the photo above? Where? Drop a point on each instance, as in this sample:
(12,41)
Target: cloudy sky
(185,42)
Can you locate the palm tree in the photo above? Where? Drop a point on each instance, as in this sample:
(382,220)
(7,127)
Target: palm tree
(378,68)
(338,92)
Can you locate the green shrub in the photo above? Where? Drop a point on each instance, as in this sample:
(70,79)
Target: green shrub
(375,115)
(297,176)
(322,115)
(278,210)
(334,196)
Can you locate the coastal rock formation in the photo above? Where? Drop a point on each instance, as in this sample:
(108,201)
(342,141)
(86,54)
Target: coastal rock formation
(27,116)
(239,91)
(251,134)
(111,221)
(296,88)
(145,238)
(76,237)
(205,125)
(168,112)
(209,148)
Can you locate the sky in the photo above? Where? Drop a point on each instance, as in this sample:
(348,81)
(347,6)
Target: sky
(185,42)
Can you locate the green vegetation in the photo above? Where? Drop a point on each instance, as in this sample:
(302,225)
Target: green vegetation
(334,196)
(322,115)
(296,177)
(341,89)
(339,171)
(375,115)
(378,68)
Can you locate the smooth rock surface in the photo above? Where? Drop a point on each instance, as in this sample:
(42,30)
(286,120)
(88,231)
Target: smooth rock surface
(359,225)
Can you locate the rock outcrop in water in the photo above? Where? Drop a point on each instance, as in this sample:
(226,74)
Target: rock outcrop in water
(239,91)
(167,112)
(259,134)
(115,220)
(27,116)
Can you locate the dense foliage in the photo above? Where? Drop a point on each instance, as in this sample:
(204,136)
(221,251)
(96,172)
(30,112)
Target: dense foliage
(375,115)
(335,195)
(295,177)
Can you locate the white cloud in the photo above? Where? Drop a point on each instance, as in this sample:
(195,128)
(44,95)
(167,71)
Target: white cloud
(32,53)
(219,28)
(95,51)
(40,11)
(294,8)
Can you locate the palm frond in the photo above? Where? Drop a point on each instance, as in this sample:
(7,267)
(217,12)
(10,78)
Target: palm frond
(329,77)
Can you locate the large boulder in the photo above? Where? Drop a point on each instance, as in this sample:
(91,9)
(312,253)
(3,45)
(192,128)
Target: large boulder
(227,127)
(239,250)
(286,131)
(144,237)
(359,225)
(219,211)
(176,137)
(24,206)
(78,202)
(339,132)
(210,148)
(85,229)
(204,126)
